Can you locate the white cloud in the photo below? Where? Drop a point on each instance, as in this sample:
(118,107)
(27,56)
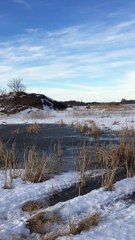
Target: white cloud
(23,2)
(128,85)
(81,94)
(78,54)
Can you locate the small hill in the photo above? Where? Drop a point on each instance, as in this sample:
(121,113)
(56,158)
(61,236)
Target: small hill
(14,102)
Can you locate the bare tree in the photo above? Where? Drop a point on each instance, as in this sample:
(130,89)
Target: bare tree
(16,85)
(3,92)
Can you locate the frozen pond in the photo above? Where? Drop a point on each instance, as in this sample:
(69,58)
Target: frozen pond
(51,136)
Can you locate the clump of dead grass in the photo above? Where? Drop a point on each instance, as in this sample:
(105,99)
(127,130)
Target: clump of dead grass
(88,128)
(42,222)
(40,166)
(35,205)
(33,128)
(37,166)
(8,162)
(94,129)
(61,123)
(126,150)
(86,224)
(118,156)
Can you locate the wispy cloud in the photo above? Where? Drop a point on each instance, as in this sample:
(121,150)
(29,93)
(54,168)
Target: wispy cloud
(100,58)
(23,2)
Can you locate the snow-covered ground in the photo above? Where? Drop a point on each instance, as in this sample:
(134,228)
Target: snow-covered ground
(12,219)
(115,119)
(117,216)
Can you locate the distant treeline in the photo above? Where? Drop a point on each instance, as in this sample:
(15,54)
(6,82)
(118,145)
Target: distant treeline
(81,103)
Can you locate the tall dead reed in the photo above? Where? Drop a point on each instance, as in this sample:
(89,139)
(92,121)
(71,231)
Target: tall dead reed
(36,166)
(33,128)
(118,156)
(8,162)
(40,166)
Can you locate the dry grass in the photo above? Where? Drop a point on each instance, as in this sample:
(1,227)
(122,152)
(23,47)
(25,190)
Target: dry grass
(109,158)
(33,128)
(94,129)
(86,224)
(8,162)
(83,128)
(61,123)
(82,163)
(31,206)
(110,163)
(126,150)
(88,128)
(42,222)
(37,166)
(107,107)
(51,225)
(117,156)
(66,230)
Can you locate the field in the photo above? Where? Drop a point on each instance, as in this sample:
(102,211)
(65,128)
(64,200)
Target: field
(92,198)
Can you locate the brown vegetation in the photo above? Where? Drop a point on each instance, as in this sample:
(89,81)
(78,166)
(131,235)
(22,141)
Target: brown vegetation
(33,128)
(42,222)
(86,224)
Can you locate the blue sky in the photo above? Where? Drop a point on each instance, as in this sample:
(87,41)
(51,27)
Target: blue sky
(69,49)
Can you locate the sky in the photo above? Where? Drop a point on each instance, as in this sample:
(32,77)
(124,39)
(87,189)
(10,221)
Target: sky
(69,49)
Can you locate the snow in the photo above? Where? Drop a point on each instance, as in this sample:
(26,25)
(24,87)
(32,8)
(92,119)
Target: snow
(113,119)
(11,200)
(117,216)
